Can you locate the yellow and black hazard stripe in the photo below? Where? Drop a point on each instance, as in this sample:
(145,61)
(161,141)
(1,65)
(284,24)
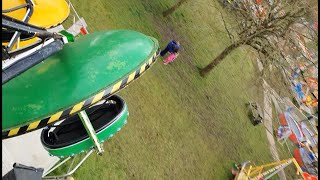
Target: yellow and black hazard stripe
(81,105)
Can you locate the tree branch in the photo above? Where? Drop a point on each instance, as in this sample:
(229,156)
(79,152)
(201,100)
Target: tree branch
(225,26)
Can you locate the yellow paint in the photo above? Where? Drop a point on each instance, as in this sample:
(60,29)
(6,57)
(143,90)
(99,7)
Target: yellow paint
(298,167)
(252,172)
(46,13)
(150,61)
(77,107)
(143,67)
(55,117)
(131,76)
(97,97)
(250,168)
(272,164)
(13,132)
(255,172)
(33,125)
(116,87)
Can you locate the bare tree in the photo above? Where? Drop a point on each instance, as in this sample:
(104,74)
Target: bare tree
(261,30)
(173,8)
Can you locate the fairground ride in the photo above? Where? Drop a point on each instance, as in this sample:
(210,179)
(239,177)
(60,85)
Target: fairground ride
(66,84)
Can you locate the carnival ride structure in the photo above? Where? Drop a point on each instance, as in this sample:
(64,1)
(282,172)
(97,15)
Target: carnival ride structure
(287,120)
(40,13)
(250,171)
(306,160)
(65,84)
(302,74)
(304,136)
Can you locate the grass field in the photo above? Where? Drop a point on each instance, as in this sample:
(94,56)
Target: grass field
(181,126)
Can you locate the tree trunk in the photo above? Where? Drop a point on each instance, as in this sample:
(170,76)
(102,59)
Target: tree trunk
(204,71)
(173,8)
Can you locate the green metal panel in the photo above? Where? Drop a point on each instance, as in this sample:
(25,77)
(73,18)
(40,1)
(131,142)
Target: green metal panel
(87,143)
(92,63)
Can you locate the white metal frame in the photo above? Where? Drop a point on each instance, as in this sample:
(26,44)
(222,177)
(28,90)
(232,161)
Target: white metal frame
(69,172)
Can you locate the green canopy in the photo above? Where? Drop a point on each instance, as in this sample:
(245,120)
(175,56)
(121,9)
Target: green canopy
(81,70)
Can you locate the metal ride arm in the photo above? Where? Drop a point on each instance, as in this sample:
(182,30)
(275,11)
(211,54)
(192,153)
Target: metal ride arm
(15,67)
(90,130)
(26,18)
(32,56)
(15,8)
(17,25)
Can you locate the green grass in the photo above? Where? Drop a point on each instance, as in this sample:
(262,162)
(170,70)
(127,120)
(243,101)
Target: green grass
(181,126)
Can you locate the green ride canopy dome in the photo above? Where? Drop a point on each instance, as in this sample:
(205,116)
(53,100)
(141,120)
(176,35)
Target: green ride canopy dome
(79,71)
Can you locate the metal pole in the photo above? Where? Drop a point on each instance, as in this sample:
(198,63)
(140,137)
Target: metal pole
(71,172)
(17,34)
(74,158)
(14,9)
(77,166)
(90,130)
(65,160)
